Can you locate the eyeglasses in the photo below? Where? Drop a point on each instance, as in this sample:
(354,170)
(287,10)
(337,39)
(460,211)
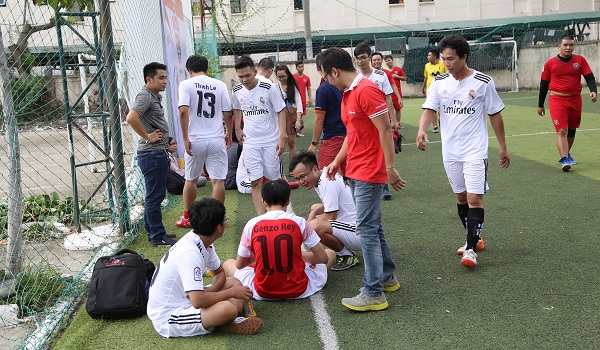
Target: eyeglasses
(173,144)
(282,78)
(325,77)
(303,176)
(226,219)
(361,57)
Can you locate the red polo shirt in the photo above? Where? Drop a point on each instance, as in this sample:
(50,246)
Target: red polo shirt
(565,77)
(362,101)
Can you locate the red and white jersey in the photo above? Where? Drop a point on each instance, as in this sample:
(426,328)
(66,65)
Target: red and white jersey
(398,71)
(362,101)
(381,79)
(178,273)
(565,76)
(207,99)
(303,83)
(336,196)
(260,107)
(463,106)
(276,239)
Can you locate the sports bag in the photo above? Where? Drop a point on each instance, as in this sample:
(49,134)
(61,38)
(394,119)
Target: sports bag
(117,289)
(175,182)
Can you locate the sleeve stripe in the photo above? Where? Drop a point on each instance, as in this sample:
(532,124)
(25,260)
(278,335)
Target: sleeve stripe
(377,114)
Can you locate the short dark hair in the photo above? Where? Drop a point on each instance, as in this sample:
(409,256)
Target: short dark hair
(151,68)
(364,47)
(434,52)
(299,63)
(566,36)
(335,57)
(197,64)
(275,192)
(457,43)
(243,62)
(205,215)
(388,56)
(319,61)
(305,157)
(266,63)
(377,54)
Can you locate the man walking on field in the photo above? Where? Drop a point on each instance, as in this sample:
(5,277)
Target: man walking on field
(562,76)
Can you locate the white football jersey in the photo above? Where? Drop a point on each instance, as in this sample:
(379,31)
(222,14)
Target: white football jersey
(260,107)
(179,272)
(463,106)
(381,80)
(207,99)
(336,196)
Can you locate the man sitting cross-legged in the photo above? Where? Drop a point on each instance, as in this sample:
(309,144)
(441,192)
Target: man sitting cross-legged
(334,219)
(272,242)
(179,304)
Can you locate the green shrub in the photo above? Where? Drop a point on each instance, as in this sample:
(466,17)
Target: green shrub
(33,100)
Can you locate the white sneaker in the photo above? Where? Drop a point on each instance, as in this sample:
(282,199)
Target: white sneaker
(469,258)
(480,246)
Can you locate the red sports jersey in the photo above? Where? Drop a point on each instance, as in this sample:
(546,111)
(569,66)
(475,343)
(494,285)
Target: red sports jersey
(362,101)
(303,83)
(277,246)
(398,71)
(565,77)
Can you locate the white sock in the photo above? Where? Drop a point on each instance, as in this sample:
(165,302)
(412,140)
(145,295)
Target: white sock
(344,252)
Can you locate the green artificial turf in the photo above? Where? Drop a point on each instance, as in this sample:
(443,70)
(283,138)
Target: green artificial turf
(536,285)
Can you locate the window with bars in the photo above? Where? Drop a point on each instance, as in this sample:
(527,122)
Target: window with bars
(238,6)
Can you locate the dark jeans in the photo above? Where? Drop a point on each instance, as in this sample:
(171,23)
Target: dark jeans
(154,165)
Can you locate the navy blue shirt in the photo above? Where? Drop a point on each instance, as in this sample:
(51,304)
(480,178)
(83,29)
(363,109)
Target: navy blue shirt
(329,100)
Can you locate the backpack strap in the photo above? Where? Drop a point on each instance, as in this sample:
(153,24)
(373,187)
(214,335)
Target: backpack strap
(123,251)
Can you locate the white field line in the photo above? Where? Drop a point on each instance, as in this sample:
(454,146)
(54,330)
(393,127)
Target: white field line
(326,330)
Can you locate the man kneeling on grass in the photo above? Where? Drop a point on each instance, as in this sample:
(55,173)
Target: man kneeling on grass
(272,242)
(179,304)
(334,219)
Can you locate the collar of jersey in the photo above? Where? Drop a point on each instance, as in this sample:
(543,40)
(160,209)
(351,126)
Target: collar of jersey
(355,82)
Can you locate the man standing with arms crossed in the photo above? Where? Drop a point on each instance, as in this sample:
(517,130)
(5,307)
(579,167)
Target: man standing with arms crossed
(203,105)
(562,75)
(147,119)
(369,152)
(464,96)
(433,68)
(264,137)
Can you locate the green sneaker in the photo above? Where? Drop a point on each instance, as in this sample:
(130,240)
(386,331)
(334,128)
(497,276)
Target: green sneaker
(344,262)
(364,302)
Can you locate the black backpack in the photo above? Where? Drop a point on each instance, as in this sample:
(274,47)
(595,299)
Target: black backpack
(175,182)
(118,288)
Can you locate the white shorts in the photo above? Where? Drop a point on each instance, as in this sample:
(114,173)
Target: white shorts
(346,233)
(185,321)
(469,175)
(262,161)
(209,152)
(242,177)
(317,277)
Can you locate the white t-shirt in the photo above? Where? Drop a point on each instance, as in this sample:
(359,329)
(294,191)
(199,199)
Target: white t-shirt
(179,272)
(207,99)
(336,196)
(260,107)
(463,106)
(381,80)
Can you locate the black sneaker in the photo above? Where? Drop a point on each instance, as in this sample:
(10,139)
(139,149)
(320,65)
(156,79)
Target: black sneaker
(344,262)
(172,235)
(162,241)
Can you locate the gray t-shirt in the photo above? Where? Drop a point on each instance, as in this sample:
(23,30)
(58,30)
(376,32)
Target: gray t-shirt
(152,117)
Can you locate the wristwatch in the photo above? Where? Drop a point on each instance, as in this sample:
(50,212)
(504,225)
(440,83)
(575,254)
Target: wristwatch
(314,143)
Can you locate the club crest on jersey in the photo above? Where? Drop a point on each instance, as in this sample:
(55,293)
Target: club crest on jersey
(445,94)
(576,66)
(262,100)
(197,274)
(472,94)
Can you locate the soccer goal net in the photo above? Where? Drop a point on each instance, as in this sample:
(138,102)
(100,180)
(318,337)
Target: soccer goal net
(499,60)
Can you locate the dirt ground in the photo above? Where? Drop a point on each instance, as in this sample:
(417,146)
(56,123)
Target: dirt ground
(46,168)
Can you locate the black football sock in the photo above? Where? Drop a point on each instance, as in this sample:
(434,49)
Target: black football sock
(474,226)
(463,211)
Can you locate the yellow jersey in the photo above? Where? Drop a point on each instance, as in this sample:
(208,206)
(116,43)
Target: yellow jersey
(433,70)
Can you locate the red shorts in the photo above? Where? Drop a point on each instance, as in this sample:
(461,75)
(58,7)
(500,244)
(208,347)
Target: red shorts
(328,150)
(565,111)
(396,102)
